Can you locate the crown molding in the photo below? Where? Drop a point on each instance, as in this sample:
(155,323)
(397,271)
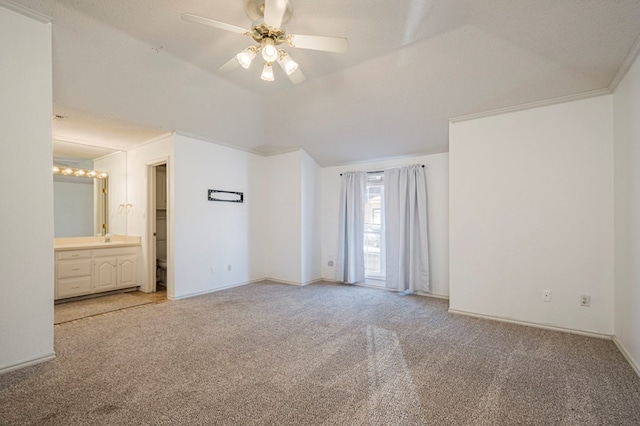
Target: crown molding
(285,151)
(25,11)
(626,65)
(70,139)
(237,147)
(217,142)
(531,105)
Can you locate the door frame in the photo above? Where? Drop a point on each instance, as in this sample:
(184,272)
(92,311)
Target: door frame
(150,240)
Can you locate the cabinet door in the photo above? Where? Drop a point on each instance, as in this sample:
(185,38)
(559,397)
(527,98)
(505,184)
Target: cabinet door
(127,271)
(104,274)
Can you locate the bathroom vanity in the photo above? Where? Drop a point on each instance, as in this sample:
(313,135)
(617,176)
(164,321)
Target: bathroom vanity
(89,265)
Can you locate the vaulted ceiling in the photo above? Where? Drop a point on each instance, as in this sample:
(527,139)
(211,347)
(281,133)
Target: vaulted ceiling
(127,71)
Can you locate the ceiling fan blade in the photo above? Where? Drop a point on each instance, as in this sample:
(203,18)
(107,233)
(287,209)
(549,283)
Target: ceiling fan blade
(231,65)
(297,77)
(210,22)
(327,44)
(274,11)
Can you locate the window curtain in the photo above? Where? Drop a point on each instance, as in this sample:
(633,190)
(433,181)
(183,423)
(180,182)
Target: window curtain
(350,260)
(406,229)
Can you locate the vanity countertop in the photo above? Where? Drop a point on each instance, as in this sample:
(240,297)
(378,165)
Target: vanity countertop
(62,244)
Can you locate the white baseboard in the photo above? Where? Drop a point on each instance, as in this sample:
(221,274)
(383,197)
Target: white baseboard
(28,363)
(279,281)
(435,296)
(634,365)
(534,324)
(213,290)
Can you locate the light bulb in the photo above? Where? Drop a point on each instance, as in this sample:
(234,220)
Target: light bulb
(79,172)
(67,171)
(104,174)
(92,173)
(290,66)
(267,72)
(56,169)
(246,57)
(269,51)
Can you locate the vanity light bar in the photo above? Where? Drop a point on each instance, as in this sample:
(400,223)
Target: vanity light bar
(69,171)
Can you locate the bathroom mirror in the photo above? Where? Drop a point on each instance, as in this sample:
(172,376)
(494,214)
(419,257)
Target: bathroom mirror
(87,206)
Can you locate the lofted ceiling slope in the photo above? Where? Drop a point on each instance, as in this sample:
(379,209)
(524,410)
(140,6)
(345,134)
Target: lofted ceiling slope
(411,66)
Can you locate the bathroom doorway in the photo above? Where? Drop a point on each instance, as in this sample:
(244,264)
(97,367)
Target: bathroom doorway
(158,273)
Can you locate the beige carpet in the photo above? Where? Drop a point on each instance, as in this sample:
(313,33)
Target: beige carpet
(71,311)
(270,354)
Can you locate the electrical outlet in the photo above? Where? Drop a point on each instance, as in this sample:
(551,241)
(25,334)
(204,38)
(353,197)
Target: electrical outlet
(585,300)
(228,268)
(546,295)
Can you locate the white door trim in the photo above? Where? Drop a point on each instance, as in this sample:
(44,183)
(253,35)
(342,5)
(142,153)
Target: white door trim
(150,240)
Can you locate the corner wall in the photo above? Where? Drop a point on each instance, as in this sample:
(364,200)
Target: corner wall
(626,110)
(311,215)
(283,255)
(531,209)
(212,237)
(26,282)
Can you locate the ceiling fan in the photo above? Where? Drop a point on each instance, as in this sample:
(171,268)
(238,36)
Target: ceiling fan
(269,32)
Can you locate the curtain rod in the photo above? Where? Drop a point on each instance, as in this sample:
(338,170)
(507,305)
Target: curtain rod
(382,171)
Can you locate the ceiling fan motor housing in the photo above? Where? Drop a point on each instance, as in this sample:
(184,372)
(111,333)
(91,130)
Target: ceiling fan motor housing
(261,31)
(255,10)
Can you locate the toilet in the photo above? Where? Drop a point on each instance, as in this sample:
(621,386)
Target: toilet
(161,272)
(161,263)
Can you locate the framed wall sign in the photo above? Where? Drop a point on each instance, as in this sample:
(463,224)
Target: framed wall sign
(228,196)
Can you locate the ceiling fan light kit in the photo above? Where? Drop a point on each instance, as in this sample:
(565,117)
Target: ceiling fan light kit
(247,56)
(288,65)
(268,31)
(267,72)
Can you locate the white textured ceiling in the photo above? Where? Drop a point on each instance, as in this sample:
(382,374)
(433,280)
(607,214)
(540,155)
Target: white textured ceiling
(411,66)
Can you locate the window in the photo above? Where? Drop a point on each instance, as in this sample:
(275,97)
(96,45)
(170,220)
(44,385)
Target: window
(374,254)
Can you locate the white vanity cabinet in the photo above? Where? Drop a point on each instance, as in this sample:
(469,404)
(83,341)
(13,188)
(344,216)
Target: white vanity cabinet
(104,273)
(73,273)
(95,270)
(127,271)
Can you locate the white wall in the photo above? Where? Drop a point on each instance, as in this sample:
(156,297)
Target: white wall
(311,217)
(282,256)
(26,253)
(626,110)
(437,169)
(138,160)
(531,208)
(116,166)
(210,234)
(73,207)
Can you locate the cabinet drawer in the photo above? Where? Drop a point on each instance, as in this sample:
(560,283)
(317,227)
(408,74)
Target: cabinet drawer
(74,268)
(74,254)
(70,287)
